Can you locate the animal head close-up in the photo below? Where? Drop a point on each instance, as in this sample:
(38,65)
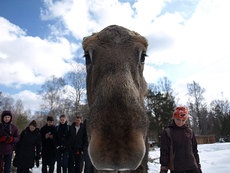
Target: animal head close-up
(117,123)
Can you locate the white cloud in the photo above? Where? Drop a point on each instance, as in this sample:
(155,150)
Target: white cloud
(82,17)
(31,101)
(30,60)
(152,74)
(9,31)
(195,48)
(205,48)
(196,44)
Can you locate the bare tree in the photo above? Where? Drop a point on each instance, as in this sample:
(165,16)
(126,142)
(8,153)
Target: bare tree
(77,92)
(196,104)
(6,102)
(220,105)
(19,107)
(77,80)
(164,85)
(51,93)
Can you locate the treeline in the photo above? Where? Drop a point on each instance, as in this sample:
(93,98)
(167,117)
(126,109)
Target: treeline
(67,95)
(204,119)
(64,95)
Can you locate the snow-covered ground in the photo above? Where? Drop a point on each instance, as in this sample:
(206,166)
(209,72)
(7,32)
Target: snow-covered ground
(214,158)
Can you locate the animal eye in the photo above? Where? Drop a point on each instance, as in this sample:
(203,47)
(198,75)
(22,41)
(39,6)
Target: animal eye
(142,57)
(87,58)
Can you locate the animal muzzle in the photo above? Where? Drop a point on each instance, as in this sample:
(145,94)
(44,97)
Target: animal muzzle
(117,154)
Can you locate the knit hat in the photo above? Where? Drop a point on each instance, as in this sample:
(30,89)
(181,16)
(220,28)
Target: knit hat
(5,113)
(50,118)
(181,113)
(33,123)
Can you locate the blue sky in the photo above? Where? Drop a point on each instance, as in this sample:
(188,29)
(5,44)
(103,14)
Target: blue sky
(25,14)
(188,41)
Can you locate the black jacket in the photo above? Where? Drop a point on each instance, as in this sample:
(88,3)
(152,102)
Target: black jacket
(27,148)
(77,140)
(62,138)
(179,148)
(48,145)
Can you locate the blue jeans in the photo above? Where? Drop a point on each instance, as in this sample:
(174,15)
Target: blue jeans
(7,160)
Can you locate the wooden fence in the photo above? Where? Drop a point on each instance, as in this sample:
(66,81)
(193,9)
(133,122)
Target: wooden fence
(205,139)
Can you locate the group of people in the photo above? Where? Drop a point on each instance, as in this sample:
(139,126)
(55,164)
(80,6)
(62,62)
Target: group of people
(64,144)
(67,145)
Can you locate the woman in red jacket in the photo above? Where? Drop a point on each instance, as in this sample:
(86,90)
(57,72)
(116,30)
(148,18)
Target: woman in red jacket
(178,152)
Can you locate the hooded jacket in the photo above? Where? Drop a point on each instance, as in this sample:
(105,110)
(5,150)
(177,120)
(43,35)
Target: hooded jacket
(8,130)
(27,148)
(179,148)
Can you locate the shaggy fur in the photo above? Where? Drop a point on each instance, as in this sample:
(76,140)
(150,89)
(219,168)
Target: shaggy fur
(117,122)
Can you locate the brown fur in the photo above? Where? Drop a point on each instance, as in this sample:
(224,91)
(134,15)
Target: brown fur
(117,123)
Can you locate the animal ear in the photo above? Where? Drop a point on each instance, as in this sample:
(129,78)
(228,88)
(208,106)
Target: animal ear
(142,55)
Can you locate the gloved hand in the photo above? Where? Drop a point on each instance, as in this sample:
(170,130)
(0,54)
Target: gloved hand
(9,139)
(2,138)
(164,169)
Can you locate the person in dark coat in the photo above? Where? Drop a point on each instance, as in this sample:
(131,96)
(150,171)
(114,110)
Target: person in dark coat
(28,148)
(62,140)
(77,141)
(8,138)
(178,151)
(48,132)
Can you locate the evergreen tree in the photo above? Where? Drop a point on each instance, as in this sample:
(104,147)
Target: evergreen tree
(160,106)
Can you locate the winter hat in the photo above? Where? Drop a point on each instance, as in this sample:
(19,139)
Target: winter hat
(5,113)
(50,118)
(33,123)
(181,113)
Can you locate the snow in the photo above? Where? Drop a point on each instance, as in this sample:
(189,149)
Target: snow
(213,157)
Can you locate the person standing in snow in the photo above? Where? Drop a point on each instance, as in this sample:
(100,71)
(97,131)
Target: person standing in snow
(62,140)
(28,148)
(8,138)
(48,132)
(178,151)
(77,142)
